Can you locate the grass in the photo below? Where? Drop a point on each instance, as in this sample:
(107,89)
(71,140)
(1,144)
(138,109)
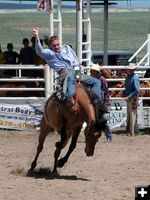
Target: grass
(127,30)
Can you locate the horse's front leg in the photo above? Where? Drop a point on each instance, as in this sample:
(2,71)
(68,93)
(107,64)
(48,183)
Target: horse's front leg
(59,146)
(72,146)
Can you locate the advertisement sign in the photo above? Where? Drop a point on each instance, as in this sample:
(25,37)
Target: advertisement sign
(20,116)
(117,115)
(27,115)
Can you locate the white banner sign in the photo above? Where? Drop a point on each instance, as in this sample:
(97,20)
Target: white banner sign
(27,115)
(117,116)
(20,116)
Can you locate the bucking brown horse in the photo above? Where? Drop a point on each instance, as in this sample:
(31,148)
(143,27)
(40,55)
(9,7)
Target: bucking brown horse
(60,116)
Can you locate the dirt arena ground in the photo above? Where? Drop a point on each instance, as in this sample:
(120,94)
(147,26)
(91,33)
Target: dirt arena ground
(111,174)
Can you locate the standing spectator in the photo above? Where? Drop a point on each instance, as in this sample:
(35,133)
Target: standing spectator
(95,72)
(132,89)
(27,57)
(11,57)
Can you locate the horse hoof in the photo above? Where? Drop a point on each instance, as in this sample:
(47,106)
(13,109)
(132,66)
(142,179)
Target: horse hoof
(33,165)
(58,145)
(55,172)
(60,163)
(30,172)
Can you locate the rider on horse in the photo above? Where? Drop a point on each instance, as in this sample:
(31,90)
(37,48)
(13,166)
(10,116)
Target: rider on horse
(64,61)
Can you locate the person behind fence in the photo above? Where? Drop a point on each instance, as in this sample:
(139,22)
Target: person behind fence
(132,89)
(11,57)
(95,71)
(64,61)
(27,57)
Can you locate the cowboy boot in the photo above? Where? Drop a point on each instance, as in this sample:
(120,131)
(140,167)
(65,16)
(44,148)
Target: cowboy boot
(75,104)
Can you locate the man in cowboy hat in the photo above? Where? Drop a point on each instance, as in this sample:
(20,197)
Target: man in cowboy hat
(132,89)
(95,71)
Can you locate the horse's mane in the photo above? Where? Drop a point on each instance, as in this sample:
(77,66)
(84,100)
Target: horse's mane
(99,109)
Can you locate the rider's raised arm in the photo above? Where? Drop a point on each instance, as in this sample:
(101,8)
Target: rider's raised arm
(43,53)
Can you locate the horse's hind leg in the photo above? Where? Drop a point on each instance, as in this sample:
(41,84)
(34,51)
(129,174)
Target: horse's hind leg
(44,130)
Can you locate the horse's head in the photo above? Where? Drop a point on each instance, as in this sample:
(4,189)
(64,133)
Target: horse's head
(91,138)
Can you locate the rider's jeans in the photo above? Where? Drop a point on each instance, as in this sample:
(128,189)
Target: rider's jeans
(93,83)
(107,132)
(70,83)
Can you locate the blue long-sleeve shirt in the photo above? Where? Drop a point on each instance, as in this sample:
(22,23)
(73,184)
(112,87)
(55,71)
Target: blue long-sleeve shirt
(132,86)
(57,60)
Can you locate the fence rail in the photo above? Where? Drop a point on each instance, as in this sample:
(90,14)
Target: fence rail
(49,77)
(146,59)
(46,79)
(49,85)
